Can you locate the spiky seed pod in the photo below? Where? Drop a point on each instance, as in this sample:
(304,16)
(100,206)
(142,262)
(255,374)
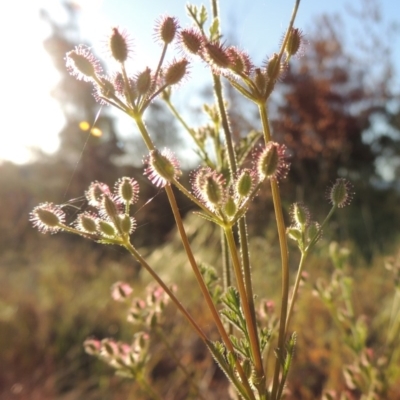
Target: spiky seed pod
(209,187)
(47,218)
(274,67)
(340,194)
(260,79)
(107,229)
(127,224)
(144,82)
(313,232)
(166,29)
(119,45)
(110,208)
(87,222)
(126,190)
(230,207)
(217,55)
(239,61)
(82,64)
(294,42)
(162,167)
(271,162)
(96,192)
(294,233)
(104,89)
(300,215)
(245,183)
(191,40)
(176,71)
(213,191)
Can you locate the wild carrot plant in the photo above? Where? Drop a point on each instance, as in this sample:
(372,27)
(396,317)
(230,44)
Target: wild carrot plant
(222,188)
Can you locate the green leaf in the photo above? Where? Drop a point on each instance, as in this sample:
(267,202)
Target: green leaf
(214,30)
(203,15)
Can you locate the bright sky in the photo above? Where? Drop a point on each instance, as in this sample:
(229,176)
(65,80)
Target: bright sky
(31,118)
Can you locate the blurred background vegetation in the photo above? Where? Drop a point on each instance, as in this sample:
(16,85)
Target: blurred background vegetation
(337,110)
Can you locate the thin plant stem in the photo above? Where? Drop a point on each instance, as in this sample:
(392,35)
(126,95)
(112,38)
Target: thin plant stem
(195,268)
(295,288)
(271,84)
(247,294)
(285,279)
(200,280)
(284,256)
(251,328)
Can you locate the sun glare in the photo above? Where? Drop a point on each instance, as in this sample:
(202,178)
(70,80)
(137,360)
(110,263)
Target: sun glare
(31,119)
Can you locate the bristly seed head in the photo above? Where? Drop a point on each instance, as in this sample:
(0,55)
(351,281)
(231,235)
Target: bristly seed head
(166,29)
(144,82)
(162,167)
(294,42)
(217,55)
(245,183)
(240,61)
(300,215)
(209,187)
(271,162)
(191,40)
(110,208)
(176,71)
(127,190)
(340,194)
(96,192)
(87,222)
(119,45)
(274,68)
(47,218)
(82,64)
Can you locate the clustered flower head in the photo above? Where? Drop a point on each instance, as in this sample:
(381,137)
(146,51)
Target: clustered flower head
(306,232)
(229,200)
(108,218)
(129,92)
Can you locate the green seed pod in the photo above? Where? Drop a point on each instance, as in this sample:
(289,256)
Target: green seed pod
(245,183)
(88,223)
(107,229)
(293,43)
(294,233)
(300,215)
(230,207)
(274,68)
